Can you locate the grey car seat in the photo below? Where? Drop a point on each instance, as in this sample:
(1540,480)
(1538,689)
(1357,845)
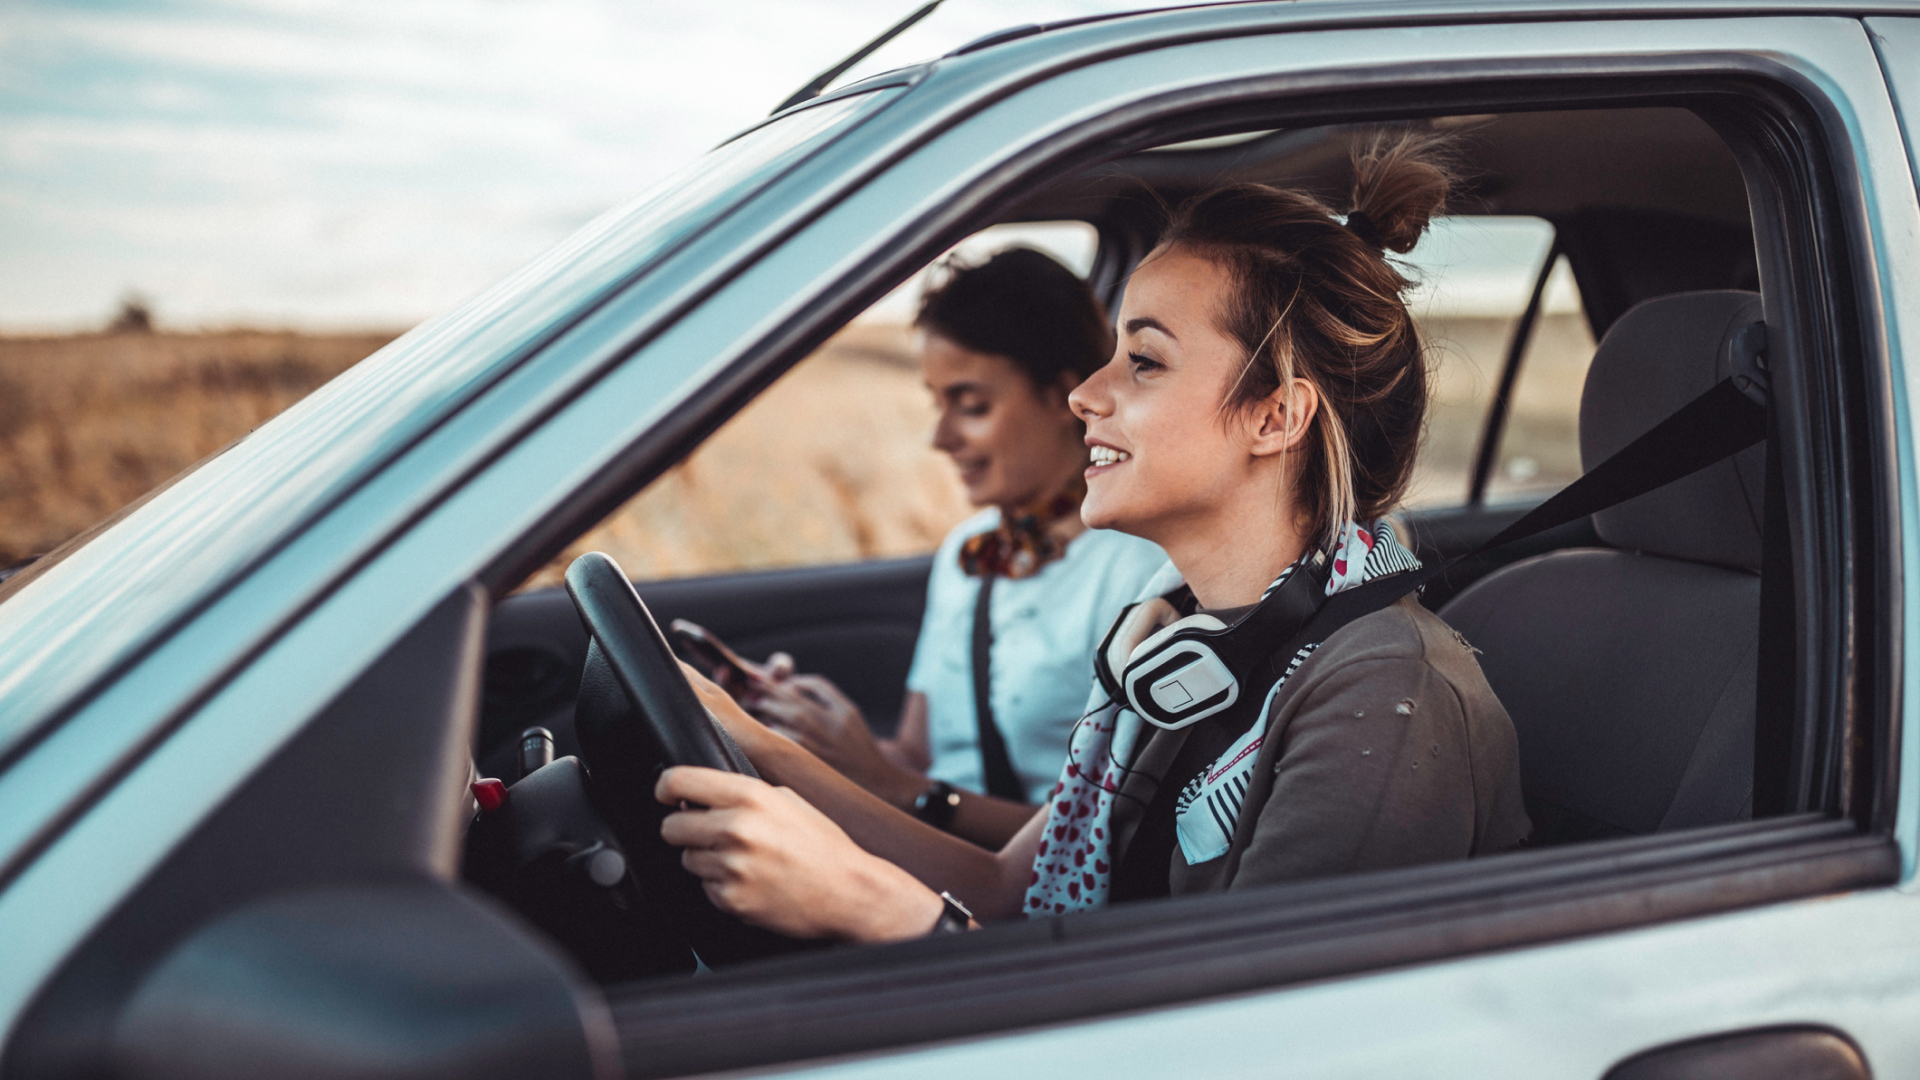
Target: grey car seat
(1629,671)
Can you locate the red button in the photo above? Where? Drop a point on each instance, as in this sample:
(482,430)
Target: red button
(491,793)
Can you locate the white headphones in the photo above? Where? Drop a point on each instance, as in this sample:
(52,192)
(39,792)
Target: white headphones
(1189,670)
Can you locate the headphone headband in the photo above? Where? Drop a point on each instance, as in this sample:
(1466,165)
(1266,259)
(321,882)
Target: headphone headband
(1193,668)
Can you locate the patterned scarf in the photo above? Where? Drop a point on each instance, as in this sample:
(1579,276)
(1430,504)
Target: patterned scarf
(1072,868)
(1021,545)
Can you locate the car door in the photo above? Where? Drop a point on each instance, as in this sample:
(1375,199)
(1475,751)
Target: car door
(1761,987)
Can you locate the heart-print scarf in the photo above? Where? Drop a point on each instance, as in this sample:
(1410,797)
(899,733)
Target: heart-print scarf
(1073,866)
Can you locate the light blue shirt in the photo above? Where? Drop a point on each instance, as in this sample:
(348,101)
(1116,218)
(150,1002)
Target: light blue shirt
(1045,630)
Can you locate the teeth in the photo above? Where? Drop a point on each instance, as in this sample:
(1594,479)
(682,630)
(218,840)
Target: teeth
(1107,455)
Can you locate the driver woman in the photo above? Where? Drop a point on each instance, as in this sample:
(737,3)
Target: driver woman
(1261,412)
(1021,593)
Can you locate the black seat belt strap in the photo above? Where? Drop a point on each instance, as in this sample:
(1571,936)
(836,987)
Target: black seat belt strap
(996,765)
(1712,427)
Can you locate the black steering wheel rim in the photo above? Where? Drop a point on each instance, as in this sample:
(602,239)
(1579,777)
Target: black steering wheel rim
(636,653)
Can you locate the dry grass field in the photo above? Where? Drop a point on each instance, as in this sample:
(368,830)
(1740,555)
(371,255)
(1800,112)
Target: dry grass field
(831,464)
(91,422)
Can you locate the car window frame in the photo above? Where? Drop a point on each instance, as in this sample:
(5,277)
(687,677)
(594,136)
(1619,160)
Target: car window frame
(1814,853)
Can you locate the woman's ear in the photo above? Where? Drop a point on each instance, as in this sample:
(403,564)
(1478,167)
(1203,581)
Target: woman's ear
(1278,422)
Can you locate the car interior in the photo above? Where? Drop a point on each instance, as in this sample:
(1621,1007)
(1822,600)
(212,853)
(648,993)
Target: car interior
(1641,204)
(1632,649)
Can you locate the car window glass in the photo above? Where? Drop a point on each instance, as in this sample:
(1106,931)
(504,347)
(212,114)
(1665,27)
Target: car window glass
(83,444)
(831,464)
(1540,446)
(1474,276)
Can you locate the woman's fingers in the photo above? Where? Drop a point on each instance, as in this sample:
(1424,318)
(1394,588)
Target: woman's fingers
(779,667)
(821,690)
(788,713)
(708,787)
(703,687)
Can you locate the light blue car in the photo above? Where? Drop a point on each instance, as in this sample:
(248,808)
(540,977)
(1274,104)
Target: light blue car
(239,722)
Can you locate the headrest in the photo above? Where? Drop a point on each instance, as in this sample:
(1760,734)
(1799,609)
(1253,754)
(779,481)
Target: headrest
(1657,357)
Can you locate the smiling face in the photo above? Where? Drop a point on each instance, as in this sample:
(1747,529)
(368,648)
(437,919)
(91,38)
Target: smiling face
(1013,442)
(1169,464)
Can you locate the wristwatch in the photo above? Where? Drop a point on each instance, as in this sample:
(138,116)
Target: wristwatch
(936,805)
(954,917)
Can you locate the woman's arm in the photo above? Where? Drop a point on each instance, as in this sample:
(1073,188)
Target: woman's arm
(911,747)
(992,883)
(816,714)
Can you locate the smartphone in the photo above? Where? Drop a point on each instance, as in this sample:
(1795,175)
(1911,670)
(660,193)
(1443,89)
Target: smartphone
(734,673)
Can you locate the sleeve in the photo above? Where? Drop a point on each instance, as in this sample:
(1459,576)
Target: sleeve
(1372,773)
(920,672)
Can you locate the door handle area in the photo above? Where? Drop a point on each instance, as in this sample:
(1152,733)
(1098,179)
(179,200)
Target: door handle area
(1779,1053)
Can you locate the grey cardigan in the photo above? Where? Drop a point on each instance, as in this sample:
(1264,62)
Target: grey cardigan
(1386,748)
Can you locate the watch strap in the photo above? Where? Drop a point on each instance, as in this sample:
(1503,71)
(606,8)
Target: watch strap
(937,805)
(954,917)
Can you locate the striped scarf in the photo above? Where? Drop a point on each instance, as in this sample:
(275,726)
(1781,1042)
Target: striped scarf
(1072,867)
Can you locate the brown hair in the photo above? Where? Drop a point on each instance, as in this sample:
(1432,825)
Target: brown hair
(1317,299)
(1022,305)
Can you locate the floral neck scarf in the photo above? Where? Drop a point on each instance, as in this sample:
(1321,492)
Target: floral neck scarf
(1021,545)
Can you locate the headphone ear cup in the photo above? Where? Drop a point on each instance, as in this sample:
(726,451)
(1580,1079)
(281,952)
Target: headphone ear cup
(1173,678)
(1136,624)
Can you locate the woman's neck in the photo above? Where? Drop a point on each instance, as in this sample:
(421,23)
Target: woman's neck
(1064,528)
(1229,562)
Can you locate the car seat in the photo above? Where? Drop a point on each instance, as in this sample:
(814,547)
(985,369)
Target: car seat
(1629,671)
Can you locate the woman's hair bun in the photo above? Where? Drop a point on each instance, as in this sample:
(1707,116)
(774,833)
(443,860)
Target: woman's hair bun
(1401,181)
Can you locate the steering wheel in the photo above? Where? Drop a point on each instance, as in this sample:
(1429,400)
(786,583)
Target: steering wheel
(628,652)
(635,713)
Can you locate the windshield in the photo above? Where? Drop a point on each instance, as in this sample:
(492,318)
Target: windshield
(194,536)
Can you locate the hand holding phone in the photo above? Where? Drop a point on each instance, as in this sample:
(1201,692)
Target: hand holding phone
(738,676)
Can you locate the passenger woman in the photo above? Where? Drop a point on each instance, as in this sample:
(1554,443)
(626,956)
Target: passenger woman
(1258,419)
(1020,593)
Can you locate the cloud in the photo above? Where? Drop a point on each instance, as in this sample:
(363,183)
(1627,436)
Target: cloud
(364,162)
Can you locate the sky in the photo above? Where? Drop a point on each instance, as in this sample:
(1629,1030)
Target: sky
(370,163)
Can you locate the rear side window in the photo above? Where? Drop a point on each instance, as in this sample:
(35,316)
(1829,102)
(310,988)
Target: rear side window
(1475,276)
(833,464)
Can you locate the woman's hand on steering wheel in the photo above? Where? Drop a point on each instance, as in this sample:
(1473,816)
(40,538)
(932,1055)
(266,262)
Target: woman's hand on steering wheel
(768,856)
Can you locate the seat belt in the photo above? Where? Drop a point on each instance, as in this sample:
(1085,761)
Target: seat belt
(1718,424)
(996,765)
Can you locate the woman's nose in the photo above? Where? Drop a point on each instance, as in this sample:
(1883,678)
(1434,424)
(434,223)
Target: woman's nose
(946,438)
(1090,398)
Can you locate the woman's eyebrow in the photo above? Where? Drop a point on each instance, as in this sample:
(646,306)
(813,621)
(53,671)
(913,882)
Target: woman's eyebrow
(1148,322)
(954,390)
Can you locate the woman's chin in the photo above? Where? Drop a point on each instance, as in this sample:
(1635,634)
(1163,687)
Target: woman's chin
(1101,514)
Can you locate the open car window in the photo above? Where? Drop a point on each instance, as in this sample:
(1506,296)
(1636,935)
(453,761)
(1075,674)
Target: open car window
(832,464)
